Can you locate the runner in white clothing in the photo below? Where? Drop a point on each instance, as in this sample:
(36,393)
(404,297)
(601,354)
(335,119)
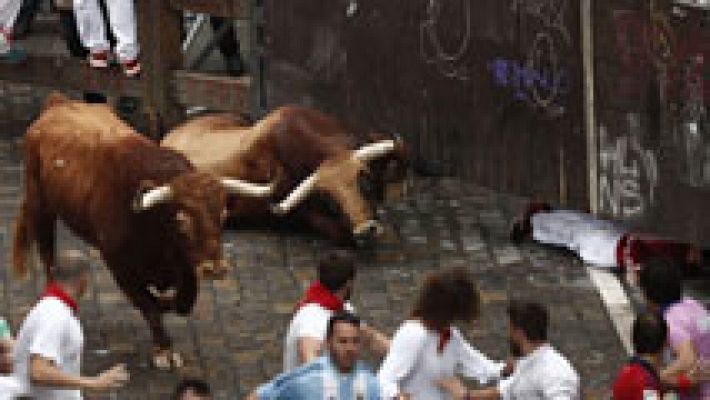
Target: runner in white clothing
(329,294)
(541,373)
(426,348)
(122,19)
(603,243)
(47,354)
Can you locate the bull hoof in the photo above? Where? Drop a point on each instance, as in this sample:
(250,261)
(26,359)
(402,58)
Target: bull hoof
(166,359)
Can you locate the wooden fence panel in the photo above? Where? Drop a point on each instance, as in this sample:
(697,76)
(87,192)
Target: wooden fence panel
(489,89)
(653,91)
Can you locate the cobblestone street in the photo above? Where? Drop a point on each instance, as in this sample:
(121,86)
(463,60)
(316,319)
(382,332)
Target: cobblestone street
(235,337)
(599,105)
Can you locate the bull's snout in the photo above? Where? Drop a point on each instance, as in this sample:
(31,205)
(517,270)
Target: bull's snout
(366,232)
(211,269)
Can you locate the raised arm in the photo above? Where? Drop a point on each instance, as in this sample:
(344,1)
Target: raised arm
(473,363)
(685,361)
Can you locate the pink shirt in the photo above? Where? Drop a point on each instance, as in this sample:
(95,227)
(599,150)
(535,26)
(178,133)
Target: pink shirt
(690,320)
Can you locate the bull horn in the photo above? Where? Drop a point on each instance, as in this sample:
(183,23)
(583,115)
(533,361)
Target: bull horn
(375,150)
(296,196)
(153,197)
(236,186)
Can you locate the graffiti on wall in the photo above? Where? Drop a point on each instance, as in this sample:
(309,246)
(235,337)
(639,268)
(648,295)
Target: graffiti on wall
(541,79)
(669,52)
(649,48)
(640,51)
(538,87)
(628,172)
(692,125)
(448,61)
(550,14)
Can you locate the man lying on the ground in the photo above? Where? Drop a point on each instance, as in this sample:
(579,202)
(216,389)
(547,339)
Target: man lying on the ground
(602,243)
(336,375)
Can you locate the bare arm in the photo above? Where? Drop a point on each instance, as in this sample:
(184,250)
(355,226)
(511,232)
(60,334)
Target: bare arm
(458,391)
(43,372)
(485,394)
(308,349)
(684,362)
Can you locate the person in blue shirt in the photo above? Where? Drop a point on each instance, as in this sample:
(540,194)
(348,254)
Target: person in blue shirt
(336,375)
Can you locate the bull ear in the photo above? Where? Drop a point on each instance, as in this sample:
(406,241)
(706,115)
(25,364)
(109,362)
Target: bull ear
(184,222)
(146,199)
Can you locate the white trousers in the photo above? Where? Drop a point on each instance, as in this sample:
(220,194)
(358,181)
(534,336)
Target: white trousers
(594,240)
(8,13)
(122,18)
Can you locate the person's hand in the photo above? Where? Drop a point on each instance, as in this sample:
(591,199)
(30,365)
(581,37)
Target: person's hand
(453,386)
(6,347)
(403,396)
(112,378)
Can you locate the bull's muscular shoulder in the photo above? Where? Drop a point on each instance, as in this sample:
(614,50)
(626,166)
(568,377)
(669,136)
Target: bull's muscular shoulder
(308,133)
(78,121)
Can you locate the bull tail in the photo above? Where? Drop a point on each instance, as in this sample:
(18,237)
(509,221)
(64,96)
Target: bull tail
(22,241)
(25,222)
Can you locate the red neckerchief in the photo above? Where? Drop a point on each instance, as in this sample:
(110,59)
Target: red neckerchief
(444,337)
(56,291)
(640,248)
(318,294)
(536,207)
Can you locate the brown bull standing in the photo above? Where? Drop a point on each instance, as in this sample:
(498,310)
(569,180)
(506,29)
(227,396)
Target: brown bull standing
(327,182)
(155,220)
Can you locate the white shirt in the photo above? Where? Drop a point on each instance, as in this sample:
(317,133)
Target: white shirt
(10,387)
(310,321)
(544,374)
(413,363)
(594,240)
(52,331)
